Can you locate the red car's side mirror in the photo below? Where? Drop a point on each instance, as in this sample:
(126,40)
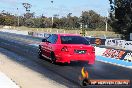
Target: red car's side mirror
(44,40)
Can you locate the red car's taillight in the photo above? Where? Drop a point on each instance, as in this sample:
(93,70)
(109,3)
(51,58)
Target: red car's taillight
(65,49)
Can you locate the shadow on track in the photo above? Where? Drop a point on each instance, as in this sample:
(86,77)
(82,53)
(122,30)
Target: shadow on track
(72,64)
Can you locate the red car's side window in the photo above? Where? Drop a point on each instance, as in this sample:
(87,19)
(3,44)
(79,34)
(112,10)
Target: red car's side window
(52,39)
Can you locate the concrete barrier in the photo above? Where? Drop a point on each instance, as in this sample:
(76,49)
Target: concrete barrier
(99,51)
(114,56)
(127,45)
(15,31)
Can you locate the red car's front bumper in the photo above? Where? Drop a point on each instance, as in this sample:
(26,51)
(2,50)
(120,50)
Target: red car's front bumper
(63,57)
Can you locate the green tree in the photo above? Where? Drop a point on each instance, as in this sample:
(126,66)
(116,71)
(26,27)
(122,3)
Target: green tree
(91,19)
(9,20)
(29,22)
(2,19)
(121,17)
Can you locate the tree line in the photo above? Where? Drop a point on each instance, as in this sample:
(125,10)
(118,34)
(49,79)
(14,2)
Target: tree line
(89,20)
(121,17)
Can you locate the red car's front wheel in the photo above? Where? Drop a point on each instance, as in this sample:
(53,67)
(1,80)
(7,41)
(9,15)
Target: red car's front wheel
(53,58)
(40,53)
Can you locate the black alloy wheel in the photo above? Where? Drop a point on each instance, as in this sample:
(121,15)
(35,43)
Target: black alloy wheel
(53,59)
(40,53)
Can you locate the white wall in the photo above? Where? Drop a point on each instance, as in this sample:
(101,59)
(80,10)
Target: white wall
(99,51)
(122,44)
(15,31)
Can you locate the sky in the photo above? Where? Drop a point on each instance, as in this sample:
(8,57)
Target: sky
(60,7)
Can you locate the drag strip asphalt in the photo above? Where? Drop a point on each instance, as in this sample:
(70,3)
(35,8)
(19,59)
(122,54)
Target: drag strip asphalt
(19,44)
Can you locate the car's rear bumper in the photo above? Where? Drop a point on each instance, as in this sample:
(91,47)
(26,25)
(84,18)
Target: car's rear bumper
(76,57)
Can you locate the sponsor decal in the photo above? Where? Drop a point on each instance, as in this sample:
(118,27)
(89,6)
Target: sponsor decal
(112,53)
(128,45)
(110,42)
(119,43)
(30,33)
(98,41)
(128,57)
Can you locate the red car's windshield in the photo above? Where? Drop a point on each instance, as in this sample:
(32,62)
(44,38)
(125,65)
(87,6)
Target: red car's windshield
(74,40)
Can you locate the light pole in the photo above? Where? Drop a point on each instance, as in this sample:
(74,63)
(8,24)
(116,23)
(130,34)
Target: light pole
(52,14)
(106,21)
(82,26)
(106,24)
(18,17)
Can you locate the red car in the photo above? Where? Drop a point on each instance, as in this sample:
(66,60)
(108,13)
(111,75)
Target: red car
(66,48)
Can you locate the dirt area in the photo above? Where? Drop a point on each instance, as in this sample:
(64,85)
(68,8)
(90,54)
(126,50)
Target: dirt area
(22,75)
